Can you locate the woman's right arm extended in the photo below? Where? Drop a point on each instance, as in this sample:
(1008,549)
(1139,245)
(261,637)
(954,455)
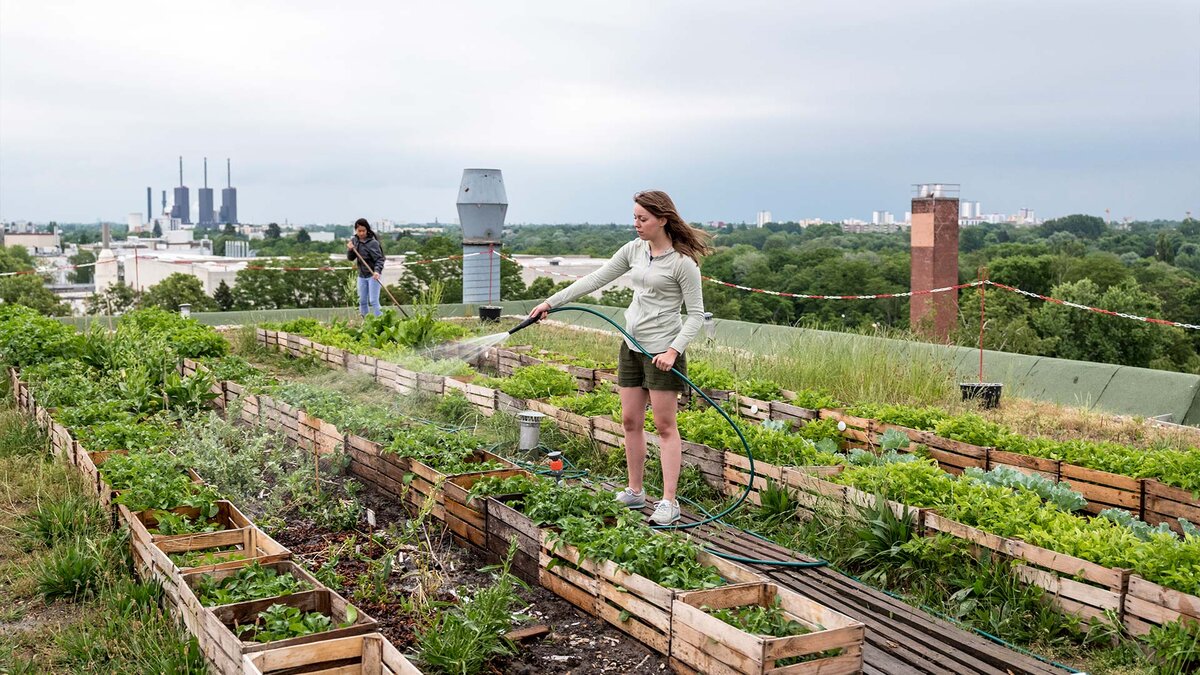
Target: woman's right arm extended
(608,272)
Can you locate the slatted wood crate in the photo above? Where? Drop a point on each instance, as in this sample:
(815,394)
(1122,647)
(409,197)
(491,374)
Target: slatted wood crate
(429,383)
(362,364)
(792,414)
(318,436)
(191,607)
(510,405)
(504,524)
(1104,490)
(426,482)
(736,475)
(1148,604)
(753,408)
(1038,466)
(1076,586)
(608,432)
(632,603)
(369,654)
(543,407)
(467,518)
(385,471)
(1164,503)
(222,645)
(702,643)
(710,462)
(483,398)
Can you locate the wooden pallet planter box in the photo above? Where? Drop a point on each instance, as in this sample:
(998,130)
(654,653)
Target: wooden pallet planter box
(705,644)
(467,518)
(1104,490)
(753,408)
(260,336)
(507,361)
(369,654)
(218,639)
(510,405)
(192,609)
(608,432)
(228,548)
(1164,503)
(1074,585)
(504,522)
(318,436)
(426,482)
(1148,604)
(63,443)
(429,383)
(571,423)
(539,405)
(385,374)
(603,375)
(90,465)
(483,398)
(362,364)
(632,603)
(372,464)
(710,461)
(406,380)
(334,356)
(736,475)
(1028,464)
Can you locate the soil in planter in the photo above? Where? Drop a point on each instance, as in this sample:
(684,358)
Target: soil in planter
(576,644)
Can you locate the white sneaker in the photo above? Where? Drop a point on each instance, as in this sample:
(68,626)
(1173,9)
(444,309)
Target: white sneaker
(634,500)
(665,512)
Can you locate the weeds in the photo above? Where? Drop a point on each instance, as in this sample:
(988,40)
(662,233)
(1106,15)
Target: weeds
(463,639)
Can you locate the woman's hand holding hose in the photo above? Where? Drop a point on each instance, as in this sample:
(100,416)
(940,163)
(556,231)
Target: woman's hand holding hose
(538,313)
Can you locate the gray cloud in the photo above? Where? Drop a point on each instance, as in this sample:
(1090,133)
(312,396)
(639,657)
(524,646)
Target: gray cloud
(806,109)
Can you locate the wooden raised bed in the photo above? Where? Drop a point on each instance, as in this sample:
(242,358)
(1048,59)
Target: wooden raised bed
(426,482)
(702,643)
(736,475)
(466,518)
(632,603)
(483,398)
(753,408)
(1164,503)
(231,547)
(191,608)
(369,654)
(1148,604)
(220,643)
(1101,588)
(1104,490)
(505,523)
(792,414)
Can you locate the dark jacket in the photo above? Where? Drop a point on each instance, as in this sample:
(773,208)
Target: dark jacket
(372,252)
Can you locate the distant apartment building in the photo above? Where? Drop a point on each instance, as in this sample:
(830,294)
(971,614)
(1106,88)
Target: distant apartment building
(763,218)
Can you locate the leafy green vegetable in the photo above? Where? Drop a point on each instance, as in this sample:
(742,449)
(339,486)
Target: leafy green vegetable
(252,582)
(536,381)
(280,622)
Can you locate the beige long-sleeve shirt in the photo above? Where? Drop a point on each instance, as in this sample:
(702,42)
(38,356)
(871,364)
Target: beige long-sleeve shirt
(662,285)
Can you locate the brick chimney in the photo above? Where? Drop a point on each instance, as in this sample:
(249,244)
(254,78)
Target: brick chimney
(934,259)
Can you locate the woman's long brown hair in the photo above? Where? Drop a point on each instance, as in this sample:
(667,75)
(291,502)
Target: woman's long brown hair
(687,240)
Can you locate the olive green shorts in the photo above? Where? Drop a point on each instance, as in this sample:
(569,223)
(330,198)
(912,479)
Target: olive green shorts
(635,369)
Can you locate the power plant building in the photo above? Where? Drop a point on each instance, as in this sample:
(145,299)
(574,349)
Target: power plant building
(228,198)
(182,209)
(206,215)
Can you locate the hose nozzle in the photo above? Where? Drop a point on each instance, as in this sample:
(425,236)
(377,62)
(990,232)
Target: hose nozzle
(524,324)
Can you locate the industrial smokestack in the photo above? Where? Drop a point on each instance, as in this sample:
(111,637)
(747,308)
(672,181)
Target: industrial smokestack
(149,207)
(104,235)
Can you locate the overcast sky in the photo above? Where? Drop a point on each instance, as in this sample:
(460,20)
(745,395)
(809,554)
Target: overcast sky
(332,111)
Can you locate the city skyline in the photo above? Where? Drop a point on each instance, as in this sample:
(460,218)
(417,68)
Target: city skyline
(832,112)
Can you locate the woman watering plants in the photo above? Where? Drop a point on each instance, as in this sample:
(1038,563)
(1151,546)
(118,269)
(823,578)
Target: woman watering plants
(365,249)
(664,262)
